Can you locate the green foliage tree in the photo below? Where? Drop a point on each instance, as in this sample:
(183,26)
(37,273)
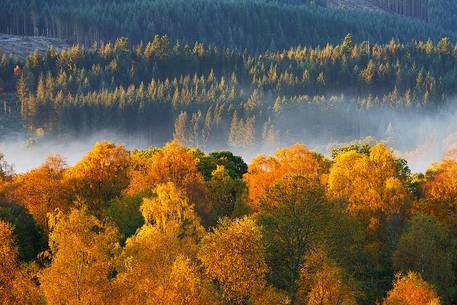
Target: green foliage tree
(427,248)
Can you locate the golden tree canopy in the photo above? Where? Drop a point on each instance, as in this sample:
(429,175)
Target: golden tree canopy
(15,285)
(233,255)
(369,184)
(441,182)
(171,208)
(82,259)
(43,190)
(174,164)
(101,175)
(146,262)
(296,160)
(411,289)
(323,282)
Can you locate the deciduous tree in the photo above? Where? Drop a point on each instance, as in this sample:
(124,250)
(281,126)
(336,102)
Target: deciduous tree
(322,282)
(371,185)
(100,176)
(15,285)
(175,164)
(426,247)
(43,190)
(225,194)
(411,289)
(234,256)
(294,217)
(297,160)
(81,249)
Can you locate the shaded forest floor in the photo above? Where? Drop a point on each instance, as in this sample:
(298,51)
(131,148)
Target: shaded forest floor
(24,45)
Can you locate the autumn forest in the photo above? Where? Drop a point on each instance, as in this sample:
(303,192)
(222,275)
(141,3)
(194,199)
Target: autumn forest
(174,225)
(228,152)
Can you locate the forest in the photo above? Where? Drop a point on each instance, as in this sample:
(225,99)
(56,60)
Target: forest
(255,25)
(174,225)
(204,96)
(197,190)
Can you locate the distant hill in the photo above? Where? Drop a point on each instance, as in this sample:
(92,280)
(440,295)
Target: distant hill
(353,4)
(254,25)
(441,13)
(414,8)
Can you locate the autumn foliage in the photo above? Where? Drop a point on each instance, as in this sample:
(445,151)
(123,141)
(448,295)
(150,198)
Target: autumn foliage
(175,225)
(264,171)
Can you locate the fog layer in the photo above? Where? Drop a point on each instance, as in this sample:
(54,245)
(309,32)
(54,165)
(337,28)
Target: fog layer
(421,138)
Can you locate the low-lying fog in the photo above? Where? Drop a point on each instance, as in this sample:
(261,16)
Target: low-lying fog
(420,138)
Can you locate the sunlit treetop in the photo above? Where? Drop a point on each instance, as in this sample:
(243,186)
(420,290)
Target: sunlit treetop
(296,160)
(368,183)
(411,289)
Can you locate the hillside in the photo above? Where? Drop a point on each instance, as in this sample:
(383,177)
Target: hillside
(23,46)
(257,26)
(437,12)
(353,4)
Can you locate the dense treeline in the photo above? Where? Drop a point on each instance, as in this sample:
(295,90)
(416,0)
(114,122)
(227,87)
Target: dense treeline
(417,8)
(254,25)
(220,96)
(437,12)
(174,225)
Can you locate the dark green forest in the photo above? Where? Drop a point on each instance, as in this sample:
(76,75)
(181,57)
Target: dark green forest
(255,25)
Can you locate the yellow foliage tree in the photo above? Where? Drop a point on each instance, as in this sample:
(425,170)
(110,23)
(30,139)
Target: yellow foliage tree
(411,289)
(140,162)
(270,296)
(174,164)
(171,208)
(234,256)
(82,260)
(296,160)
(171,229)
(100,176)
(146,261)
(322,282)
(185,285)
(370,185)
(15,285)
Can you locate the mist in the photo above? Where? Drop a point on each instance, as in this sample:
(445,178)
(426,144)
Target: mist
(25,154)
(421,137)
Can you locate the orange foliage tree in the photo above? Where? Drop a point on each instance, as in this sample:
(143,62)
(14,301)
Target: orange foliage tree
(43,190)
(296,160)
(100,176)
(441,182)
(173,164)
(411,289)
(15,285)
(440,192)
